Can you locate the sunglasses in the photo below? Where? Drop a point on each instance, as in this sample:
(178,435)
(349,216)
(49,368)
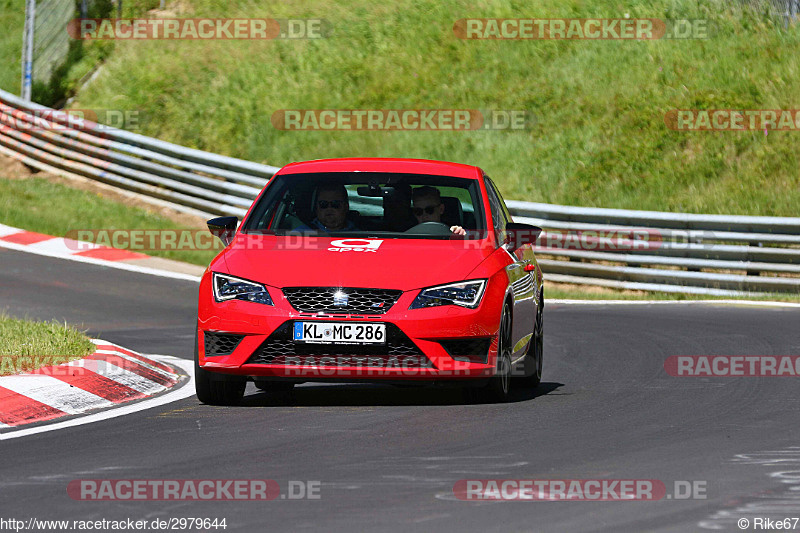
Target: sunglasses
(335,204)
(429,210)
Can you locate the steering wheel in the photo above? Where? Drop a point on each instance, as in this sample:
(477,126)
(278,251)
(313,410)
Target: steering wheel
(430,228)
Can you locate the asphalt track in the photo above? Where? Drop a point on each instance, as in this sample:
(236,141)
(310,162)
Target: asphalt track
(387,458)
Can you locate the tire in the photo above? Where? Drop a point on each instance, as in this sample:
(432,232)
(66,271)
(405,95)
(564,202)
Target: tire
(535,351)
(216,389)
(499,387)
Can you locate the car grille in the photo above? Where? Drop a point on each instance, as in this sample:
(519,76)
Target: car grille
(476,349)
(220,343)
(399,350)
(359,301)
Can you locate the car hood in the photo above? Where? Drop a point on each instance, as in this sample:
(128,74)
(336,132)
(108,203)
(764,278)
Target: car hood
(402,264)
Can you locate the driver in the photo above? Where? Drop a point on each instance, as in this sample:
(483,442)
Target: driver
(331,207)
(428,207)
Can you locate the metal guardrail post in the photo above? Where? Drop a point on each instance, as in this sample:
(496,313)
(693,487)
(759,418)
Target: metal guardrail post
(27,50)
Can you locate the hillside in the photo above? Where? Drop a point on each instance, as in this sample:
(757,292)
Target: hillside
(600,137)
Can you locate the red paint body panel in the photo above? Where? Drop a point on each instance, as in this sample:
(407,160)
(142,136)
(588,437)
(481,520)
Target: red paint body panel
(369,164)
(396,264)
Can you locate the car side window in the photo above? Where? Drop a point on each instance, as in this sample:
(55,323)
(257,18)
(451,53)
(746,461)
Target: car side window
(499,212)
(503,206)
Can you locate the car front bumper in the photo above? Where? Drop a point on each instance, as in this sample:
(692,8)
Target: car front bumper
(431,344)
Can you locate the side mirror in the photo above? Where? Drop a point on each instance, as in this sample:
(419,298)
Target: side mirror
(518,235)
(224,228)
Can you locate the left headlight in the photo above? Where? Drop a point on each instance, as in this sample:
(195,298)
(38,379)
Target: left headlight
(232,288)
(465,293)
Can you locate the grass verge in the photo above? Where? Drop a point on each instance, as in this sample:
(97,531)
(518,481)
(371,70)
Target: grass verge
(38,204)
(26,345)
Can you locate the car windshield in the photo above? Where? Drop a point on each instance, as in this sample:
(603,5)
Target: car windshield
(388,205)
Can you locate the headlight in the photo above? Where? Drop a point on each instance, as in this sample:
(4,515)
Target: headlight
(465,294)
(231,288)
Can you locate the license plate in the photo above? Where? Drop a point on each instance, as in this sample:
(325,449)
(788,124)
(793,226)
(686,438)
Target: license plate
(340,332)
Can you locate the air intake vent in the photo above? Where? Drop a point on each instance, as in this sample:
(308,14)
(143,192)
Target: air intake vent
(220,343)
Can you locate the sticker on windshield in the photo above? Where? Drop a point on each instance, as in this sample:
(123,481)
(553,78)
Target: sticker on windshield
(355,245)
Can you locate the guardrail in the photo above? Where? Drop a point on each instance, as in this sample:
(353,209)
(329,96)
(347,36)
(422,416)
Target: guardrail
(646,250)
(651,250)
(48,140)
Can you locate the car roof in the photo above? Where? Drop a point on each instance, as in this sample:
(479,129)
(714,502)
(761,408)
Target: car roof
(381,164)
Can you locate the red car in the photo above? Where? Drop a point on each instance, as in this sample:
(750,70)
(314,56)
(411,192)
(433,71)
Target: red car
(390,270)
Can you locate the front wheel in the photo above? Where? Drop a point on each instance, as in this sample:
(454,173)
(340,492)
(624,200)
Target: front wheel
(499,387)
(535,356)
(216,389)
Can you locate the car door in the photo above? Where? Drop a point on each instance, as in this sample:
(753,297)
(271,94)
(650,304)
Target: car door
(522,282)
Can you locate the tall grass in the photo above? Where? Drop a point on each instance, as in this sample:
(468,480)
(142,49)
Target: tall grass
(40,205)
(600,137)
(26,345)
(12,23)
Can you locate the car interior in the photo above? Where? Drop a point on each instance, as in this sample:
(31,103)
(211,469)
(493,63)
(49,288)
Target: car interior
(383,206)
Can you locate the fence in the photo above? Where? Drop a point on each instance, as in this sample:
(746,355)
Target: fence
(788,10)
(46,42)
(46,39)
(709,254)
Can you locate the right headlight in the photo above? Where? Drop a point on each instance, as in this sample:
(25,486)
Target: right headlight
(232,288)
(464,294)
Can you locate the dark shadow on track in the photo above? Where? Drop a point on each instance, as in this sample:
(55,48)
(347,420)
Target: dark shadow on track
(378,395)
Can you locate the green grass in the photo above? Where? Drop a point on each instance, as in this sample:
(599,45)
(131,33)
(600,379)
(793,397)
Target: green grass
(600,137)
(12,23)
(39,205)
(26,345)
